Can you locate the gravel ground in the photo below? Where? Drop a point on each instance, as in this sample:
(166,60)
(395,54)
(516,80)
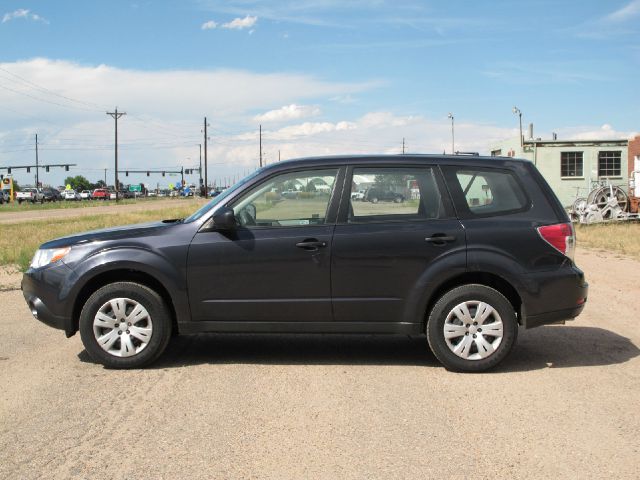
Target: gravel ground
(563,405)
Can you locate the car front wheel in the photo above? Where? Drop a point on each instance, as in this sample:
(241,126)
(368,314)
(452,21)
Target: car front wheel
(472,328)
(125,325)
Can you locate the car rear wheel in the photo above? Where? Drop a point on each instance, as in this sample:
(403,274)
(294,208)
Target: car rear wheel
(472,328)
(125,325)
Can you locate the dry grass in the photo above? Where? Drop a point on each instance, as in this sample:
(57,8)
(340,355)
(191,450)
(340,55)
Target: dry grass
(19,241)
(622,237)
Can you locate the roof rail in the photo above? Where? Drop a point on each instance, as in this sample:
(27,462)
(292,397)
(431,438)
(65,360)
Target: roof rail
(475,154)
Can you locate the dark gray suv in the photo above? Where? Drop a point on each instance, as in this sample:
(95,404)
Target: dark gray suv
(477,247)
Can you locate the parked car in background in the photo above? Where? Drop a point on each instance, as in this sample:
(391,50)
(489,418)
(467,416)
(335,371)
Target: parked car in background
(85,194)
(30,194)
(112,195)
(358,196)
(486,248)
(100,194)
(71,195)
(375,195)
(51,194)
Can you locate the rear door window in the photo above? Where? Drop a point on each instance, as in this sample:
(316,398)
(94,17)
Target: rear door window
(486,192)
(380,194)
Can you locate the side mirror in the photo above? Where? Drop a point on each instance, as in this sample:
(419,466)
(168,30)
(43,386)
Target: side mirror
(225,220)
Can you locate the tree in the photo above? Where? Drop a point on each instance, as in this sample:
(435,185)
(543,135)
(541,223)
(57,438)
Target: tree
(78,183)
(99,184)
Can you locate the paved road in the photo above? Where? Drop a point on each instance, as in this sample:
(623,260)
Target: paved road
(564,405)
(109,208)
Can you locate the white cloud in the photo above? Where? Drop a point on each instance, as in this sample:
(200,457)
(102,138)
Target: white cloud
(629,11)
(210,25)
(241,23)
(288,112)
(24,14)
(604,132)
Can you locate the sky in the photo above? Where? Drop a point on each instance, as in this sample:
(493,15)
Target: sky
(320,77)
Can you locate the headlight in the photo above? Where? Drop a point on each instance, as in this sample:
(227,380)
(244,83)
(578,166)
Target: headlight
(45,256)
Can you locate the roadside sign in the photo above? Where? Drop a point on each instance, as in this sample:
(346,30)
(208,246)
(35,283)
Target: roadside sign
(68,187)
(171,186)
(135,188)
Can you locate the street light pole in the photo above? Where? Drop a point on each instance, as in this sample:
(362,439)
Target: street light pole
(453,138)
(517,111)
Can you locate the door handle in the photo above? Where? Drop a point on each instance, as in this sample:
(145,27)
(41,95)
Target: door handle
(311,244)
(440,239)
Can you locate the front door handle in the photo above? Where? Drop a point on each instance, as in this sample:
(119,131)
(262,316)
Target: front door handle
(311,244)
(440,239)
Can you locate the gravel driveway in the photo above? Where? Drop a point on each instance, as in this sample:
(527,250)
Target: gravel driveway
(563,405)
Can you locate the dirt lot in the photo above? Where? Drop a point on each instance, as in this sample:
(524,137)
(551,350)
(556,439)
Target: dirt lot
(564,405)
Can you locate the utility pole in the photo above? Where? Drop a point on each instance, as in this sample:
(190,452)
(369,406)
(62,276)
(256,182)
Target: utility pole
(115,115)
(37,172)
(105,178)
(518,112)
(260,146)
(278,155)
(200,170)
(453,141)
(206,184)
(403,145)
(182,175)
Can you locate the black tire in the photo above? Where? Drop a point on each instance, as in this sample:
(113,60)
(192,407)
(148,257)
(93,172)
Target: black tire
(159,317)
(374,200)
(444,306)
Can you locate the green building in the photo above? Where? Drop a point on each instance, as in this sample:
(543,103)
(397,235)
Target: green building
(572,167)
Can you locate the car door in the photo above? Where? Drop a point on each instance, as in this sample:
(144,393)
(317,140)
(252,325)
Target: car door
(275,267)
(382,250)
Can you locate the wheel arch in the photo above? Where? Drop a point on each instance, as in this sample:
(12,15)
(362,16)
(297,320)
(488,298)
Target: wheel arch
(482,278)
(122,275)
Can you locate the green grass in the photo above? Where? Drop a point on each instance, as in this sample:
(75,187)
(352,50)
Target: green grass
(15,207)
(19,241)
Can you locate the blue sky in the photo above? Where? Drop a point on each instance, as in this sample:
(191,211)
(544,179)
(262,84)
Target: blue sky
(323,76)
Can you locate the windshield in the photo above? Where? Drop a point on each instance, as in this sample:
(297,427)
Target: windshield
(216,200)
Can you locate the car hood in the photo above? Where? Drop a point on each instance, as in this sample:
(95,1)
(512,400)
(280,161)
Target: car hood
(115,233)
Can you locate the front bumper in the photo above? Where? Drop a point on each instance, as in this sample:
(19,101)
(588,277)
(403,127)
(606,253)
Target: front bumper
(41,290)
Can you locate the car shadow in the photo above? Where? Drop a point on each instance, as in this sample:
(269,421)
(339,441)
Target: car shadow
(543,347)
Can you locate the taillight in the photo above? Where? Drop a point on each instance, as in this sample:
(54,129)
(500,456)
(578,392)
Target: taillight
(561,237)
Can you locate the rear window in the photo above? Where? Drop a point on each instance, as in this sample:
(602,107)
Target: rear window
(487,192)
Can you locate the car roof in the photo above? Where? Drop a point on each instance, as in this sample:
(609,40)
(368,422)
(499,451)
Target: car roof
(417,159)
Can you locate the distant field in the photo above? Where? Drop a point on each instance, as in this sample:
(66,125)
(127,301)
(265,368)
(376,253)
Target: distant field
(621,237)
(16,207)
(19,241)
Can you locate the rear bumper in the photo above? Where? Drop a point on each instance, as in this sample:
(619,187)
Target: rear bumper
(561,297)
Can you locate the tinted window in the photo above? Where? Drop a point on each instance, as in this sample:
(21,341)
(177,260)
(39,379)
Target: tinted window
(490,192)
(298,198)
(393,194)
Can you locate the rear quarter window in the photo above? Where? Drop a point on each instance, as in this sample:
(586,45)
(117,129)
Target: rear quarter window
(480,192)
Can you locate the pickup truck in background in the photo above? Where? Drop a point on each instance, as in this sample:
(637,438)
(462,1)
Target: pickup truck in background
(32,195)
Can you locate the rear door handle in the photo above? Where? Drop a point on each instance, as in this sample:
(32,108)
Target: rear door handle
(440,239)
(311,244)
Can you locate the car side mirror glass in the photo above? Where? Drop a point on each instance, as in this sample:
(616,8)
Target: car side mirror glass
(225,220)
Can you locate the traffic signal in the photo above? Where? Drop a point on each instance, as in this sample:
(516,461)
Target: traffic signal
(28,169)
(147,174)
(66,168)
(46,169)
(163,174)
(9,170)
(126,173)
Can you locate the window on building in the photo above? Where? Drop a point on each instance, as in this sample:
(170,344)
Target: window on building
(571,164)
(609,163)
